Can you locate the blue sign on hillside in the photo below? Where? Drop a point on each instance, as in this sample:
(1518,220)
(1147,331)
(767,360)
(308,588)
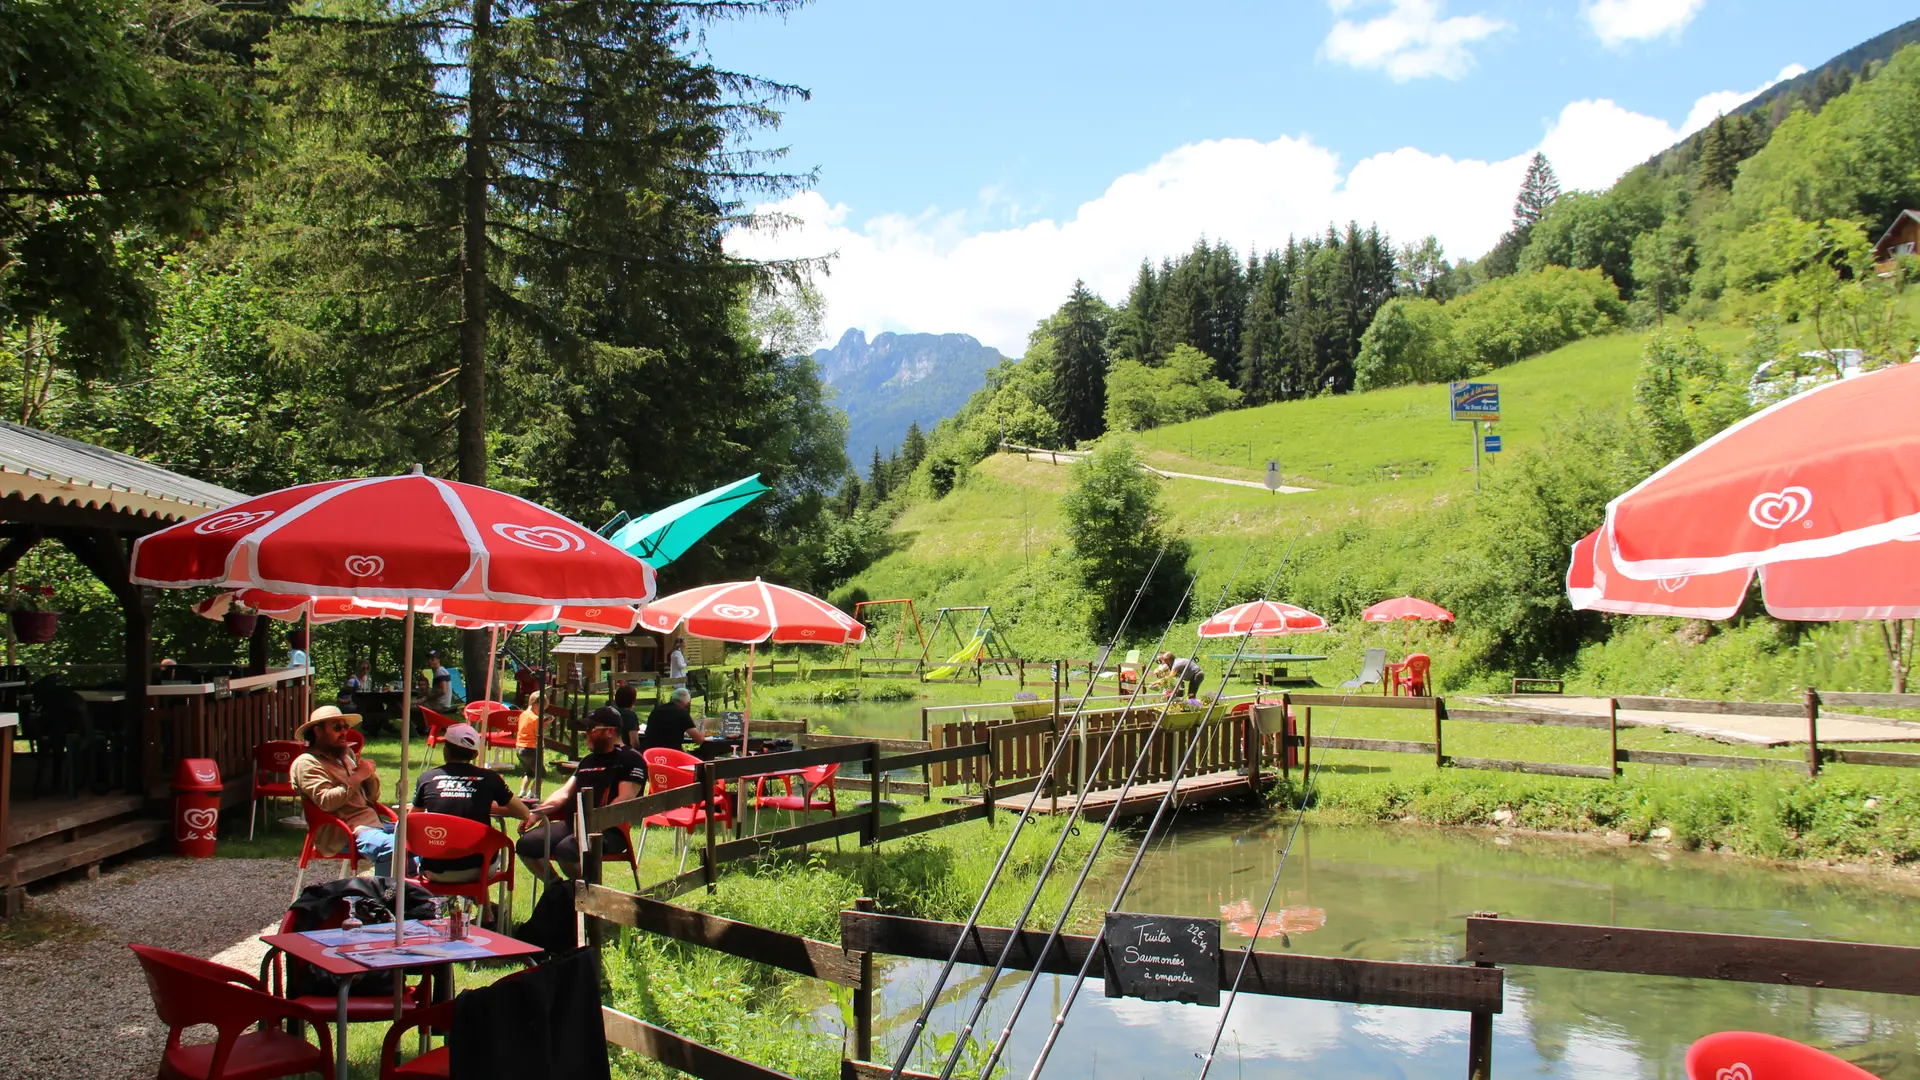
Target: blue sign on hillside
(1493,444)
(1476,401)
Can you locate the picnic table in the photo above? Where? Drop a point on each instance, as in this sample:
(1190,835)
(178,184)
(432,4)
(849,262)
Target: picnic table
(1272,667)
(350,955)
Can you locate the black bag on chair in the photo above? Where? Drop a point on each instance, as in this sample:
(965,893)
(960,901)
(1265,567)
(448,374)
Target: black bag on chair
(323,906)
(552,924)
(540,1024)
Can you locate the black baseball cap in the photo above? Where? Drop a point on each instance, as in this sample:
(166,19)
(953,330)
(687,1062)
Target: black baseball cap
(604,716)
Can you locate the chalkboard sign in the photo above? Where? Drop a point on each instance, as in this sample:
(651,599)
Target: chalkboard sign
(1163,958)
(222,688)
(733,724)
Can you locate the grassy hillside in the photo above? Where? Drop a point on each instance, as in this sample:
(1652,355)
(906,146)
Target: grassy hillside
(1393,511)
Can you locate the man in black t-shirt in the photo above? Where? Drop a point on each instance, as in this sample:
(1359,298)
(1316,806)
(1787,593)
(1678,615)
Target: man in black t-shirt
(466,790)
(669,722)
(623,700)
(611,773)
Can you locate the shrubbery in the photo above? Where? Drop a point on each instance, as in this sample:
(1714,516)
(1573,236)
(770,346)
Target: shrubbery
(1504,321)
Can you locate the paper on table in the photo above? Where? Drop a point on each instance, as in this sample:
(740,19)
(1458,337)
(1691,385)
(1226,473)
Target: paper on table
(436,952)
(373,932)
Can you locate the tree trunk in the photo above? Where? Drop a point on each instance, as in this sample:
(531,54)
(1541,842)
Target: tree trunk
(471,386)
(1898,637)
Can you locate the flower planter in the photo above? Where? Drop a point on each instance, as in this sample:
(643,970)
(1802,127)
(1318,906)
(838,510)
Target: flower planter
(34,627)
(241,623)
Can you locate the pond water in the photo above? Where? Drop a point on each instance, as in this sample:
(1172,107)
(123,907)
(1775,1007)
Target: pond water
(1402,893)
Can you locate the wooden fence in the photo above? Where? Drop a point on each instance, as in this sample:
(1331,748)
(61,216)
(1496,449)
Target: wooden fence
(193,722)
(1301,707)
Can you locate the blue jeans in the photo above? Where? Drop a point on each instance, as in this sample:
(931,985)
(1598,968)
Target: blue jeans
(376,846)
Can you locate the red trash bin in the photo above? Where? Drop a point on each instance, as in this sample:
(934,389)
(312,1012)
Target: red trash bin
(196,807)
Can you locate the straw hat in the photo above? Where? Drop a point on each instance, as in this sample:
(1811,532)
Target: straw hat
(324,713)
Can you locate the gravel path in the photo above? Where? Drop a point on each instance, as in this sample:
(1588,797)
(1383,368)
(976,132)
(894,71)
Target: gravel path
(81,1011)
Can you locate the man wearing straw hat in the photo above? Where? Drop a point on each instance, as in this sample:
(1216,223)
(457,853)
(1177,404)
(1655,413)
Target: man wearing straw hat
(330,776)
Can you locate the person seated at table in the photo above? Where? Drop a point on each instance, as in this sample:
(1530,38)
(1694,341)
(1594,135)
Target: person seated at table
(612,773)
(330,776)
(440,698)
(623,699)
(466,790)
(1174,671)
(526,742)
(670,723)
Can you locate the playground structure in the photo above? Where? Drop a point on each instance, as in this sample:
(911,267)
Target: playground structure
(987,646)
(884,666)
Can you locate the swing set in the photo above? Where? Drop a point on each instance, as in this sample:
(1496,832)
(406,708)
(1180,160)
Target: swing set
(890,665)
(986,647)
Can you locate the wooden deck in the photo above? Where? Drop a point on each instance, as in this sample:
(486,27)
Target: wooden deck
(54,835)
(1141,798)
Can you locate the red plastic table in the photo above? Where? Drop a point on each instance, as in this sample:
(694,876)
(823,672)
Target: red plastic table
(327,958)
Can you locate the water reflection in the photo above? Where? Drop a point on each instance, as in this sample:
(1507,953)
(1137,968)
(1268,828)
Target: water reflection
(1403,894)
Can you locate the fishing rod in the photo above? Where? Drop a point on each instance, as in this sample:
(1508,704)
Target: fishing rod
(1053,934)
(1133,868)
(973,918)
(1060,843)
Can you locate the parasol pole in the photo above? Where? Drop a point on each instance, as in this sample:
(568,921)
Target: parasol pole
(746,702)
(399,866)
(306,690)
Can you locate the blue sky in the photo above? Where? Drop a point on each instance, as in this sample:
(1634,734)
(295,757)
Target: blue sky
(974,159)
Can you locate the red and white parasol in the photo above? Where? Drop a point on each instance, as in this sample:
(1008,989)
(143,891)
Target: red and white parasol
(1406,609)
(750,612)
(598,619)
(410,536)
(1879,582)
(1262,618)
(1827,471)
(1594,584)
(285,608)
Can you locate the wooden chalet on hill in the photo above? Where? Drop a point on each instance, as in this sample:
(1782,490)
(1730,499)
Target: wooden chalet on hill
(1898,240)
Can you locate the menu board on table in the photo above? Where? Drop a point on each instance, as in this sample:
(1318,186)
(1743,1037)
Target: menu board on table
(733,725)
(1163,958)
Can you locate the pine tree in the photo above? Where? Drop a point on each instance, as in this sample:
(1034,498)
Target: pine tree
(1537,192)
(1132,335)
(1078,337)
(1718,158)
(913,449)
(877,477)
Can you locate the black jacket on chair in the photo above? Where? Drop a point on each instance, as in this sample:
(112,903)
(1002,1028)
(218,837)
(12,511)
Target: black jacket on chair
(539,1024)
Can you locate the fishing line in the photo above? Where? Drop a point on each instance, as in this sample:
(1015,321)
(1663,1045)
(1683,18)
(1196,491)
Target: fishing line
(1059,750)
(1133,868)
(1060,842)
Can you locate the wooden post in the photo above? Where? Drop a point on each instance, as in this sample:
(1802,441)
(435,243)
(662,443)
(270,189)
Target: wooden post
(1306,744)
(1439,713)
(990,774)
(707,865)
(1251,732)
(1480,1030)
(863,997)
(1813,732)
(1613,735)
(592,865)
(926,771)
(873,793)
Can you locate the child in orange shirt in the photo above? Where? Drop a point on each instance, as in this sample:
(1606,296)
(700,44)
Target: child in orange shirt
(533,764)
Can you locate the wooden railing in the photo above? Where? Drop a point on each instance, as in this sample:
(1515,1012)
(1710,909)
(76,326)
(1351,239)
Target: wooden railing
(191,721)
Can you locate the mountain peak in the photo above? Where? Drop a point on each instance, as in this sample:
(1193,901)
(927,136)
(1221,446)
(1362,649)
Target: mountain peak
(896,379)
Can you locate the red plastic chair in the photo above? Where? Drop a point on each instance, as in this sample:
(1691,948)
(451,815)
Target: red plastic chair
(502,727)
(316,820)
(1413,676)
(444,836)
(811,782)
(1750,1055)
(273,759)
(664,773)
(188,991)
(356,740)
(437,725)
(435,1064)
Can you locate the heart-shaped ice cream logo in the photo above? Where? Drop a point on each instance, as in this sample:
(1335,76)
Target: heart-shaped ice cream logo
(592,613)
(206,776)
(365,565)
(735,611)
(1736,1071)
(1672,584)
(1773,509)
(230,521)
(200,819)
(807,632)
(540,537)
(281,757)
(436,833)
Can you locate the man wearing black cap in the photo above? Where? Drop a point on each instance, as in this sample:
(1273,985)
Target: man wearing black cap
(611,773)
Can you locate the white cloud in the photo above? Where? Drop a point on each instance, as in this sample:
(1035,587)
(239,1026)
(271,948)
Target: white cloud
(1618,22)
(1408,41)
(1725,101)
(928,272)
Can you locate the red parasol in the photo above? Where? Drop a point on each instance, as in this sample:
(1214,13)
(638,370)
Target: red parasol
(1262,618)
(1594,584)
(749,612)
(1288,920)
(598,619)
(285,608)
(435,538)
(1408,609)
(1824,472)
(1879,582)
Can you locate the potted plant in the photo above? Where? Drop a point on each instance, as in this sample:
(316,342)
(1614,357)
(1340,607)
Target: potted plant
(240,619)
(33,621)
